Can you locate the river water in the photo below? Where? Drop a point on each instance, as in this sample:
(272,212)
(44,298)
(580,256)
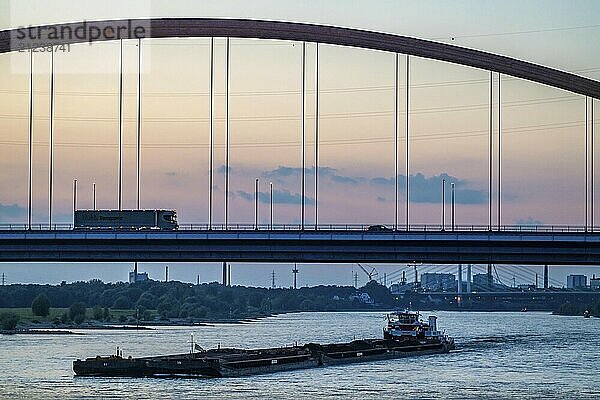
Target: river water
(499,355)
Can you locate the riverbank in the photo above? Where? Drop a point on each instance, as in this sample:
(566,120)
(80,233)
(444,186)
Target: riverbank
(47,325)
(38,332)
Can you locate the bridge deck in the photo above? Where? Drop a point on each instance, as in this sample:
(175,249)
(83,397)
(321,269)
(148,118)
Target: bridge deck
(331,246)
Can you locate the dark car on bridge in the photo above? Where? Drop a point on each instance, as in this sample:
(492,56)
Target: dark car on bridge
(379,228)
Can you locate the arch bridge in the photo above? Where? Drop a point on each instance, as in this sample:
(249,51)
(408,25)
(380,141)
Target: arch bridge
(580,245)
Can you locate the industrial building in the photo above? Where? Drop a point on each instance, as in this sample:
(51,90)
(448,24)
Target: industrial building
(437,282)
(135,276)
(576,281)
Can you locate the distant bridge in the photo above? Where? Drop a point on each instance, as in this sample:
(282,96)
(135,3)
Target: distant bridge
(318,246)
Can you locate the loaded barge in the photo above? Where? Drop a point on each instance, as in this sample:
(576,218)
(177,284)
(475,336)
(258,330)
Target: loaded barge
(405,335)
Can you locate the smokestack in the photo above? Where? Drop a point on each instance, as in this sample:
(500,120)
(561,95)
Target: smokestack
(198,280)
(135,271)
(469,278)
(166,273)
(295,272)
(545,277)
(228,274)
(224,273)
(536,280)
(490,278)
(403,277)
(459,288)
(416,276)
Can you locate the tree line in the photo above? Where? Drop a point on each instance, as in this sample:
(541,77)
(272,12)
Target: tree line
(183,300)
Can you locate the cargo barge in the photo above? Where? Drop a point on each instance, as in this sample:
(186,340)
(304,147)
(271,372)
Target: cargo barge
(405,335)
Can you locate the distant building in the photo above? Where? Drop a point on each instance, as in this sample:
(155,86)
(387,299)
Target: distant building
(595,283)
(399,288)
(436,282)
(139,277)
(480,281)
(576,281)
(527,287)
(362,297)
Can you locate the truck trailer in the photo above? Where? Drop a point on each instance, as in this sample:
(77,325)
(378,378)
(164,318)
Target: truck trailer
(126,219)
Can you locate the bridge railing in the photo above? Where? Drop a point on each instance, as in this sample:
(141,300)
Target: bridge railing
(336,227)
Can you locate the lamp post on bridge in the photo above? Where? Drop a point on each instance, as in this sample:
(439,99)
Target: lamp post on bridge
(453,204)
(74,199)
(256,204)
(271,204)
(443,203)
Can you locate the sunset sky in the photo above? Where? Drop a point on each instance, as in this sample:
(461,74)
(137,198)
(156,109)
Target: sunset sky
(543,159)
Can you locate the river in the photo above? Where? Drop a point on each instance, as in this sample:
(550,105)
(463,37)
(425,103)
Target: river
(499,355)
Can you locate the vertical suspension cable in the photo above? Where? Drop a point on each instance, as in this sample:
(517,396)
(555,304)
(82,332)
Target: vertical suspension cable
(499,151)
(120,184)
(139,121)
(396,140)
(491,146)
(587,166)
(317,137)
(407,142)
(212,144)
(51,169)
(303,183)
(227,134)
(592,169)
(30,174)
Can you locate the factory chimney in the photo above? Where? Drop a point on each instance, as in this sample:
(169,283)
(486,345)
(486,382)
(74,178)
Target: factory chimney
(459,288)
(469,278)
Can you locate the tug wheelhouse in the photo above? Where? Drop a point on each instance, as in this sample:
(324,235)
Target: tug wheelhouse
(408,326)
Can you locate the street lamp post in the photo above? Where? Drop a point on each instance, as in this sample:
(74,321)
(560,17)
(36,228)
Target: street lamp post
(256,204)
(74,199)
(443,203)
(453,205)
(271,201)
(94,195)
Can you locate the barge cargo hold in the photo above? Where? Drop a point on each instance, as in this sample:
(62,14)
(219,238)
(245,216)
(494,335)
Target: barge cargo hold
(404,336)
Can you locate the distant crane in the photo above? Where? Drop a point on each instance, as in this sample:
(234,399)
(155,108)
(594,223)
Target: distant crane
(369,274)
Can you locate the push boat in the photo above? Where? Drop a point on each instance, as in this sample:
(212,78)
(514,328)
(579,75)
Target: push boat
(405,335)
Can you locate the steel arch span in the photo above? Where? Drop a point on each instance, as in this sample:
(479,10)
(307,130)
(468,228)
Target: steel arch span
(17,39)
